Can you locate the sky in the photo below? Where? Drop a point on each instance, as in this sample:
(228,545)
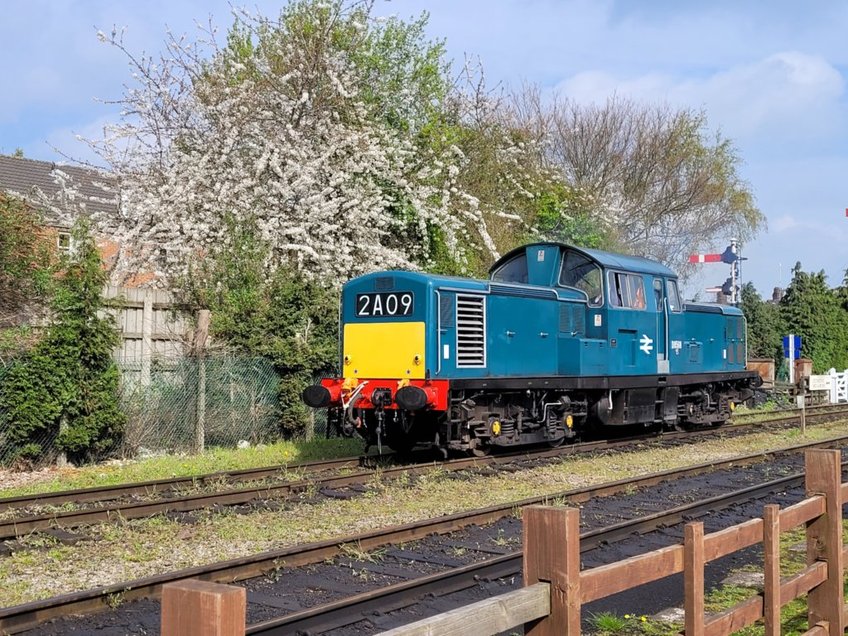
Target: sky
(770,76)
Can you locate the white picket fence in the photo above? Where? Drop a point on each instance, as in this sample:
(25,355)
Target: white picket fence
(838,386)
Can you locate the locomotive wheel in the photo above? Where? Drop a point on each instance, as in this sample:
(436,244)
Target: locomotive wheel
(556,443)
(479,450)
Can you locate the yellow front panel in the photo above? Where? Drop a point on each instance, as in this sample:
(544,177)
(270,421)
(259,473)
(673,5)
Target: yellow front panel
(384,350)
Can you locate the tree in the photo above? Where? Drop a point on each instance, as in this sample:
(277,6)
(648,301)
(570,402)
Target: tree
(650,176)
(66,388)
(506,177)
(24,260)
(765,329)
(297,123)
(284,317)
(842,291)
(814,311)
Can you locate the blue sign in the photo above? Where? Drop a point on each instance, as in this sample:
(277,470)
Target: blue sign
(796,347)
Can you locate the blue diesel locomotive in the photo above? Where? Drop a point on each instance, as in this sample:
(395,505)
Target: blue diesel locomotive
(558,340)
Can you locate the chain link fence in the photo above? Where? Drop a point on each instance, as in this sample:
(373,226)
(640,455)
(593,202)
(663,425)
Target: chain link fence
(184,404)
(40,444)
(189,404)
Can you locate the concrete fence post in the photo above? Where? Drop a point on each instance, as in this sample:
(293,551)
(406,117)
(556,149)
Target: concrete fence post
(201,334)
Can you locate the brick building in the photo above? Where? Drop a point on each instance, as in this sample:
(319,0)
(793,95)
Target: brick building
(39,183)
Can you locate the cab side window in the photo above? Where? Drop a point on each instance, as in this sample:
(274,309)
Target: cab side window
(513,271)
(627,290)
(659,297)
(583,274)
(673,297)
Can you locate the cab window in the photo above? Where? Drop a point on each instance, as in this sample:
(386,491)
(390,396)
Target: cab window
(658,294)
(583,274)
(673,297)
(627,290)
(513,271)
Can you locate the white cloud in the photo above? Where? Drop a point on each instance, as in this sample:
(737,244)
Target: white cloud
(798,94)
(784,223)
(828,229)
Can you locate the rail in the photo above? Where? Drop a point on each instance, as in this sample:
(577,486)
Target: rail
(555,588)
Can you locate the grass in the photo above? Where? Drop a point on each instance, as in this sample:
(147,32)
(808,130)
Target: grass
(146,547)
(609,623)
(167,466)
(793,615)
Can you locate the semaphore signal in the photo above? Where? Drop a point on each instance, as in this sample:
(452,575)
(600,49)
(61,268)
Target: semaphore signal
(730,287)
(705,258)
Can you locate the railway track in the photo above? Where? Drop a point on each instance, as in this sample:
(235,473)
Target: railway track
(141,499)
(142,504)
(27,616)
(353,609)
(174,484)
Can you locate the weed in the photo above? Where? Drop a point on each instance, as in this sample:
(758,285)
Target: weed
(355,552)
(609,623)
(501,539)
(403,480)
(275,574)
(30,576)
(115,600)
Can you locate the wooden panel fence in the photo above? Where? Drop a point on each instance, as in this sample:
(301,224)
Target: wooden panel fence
(151,329)
(555,588)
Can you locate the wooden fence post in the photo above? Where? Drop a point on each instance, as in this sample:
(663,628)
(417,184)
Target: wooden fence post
(201,608)
(824,538)
(693,578)
(552,555)
(771,560)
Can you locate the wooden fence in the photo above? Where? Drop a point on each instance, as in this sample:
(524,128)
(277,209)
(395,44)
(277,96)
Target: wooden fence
(555,588)
(150,328)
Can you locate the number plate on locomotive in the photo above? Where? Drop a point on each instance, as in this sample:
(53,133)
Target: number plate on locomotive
(385,304)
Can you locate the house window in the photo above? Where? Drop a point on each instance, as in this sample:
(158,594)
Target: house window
(64,243)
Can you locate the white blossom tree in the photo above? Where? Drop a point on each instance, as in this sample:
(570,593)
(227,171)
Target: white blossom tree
(276,127)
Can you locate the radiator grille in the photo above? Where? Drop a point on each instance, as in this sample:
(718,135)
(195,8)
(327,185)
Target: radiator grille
(470,331)
(446,315)
(572,319)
